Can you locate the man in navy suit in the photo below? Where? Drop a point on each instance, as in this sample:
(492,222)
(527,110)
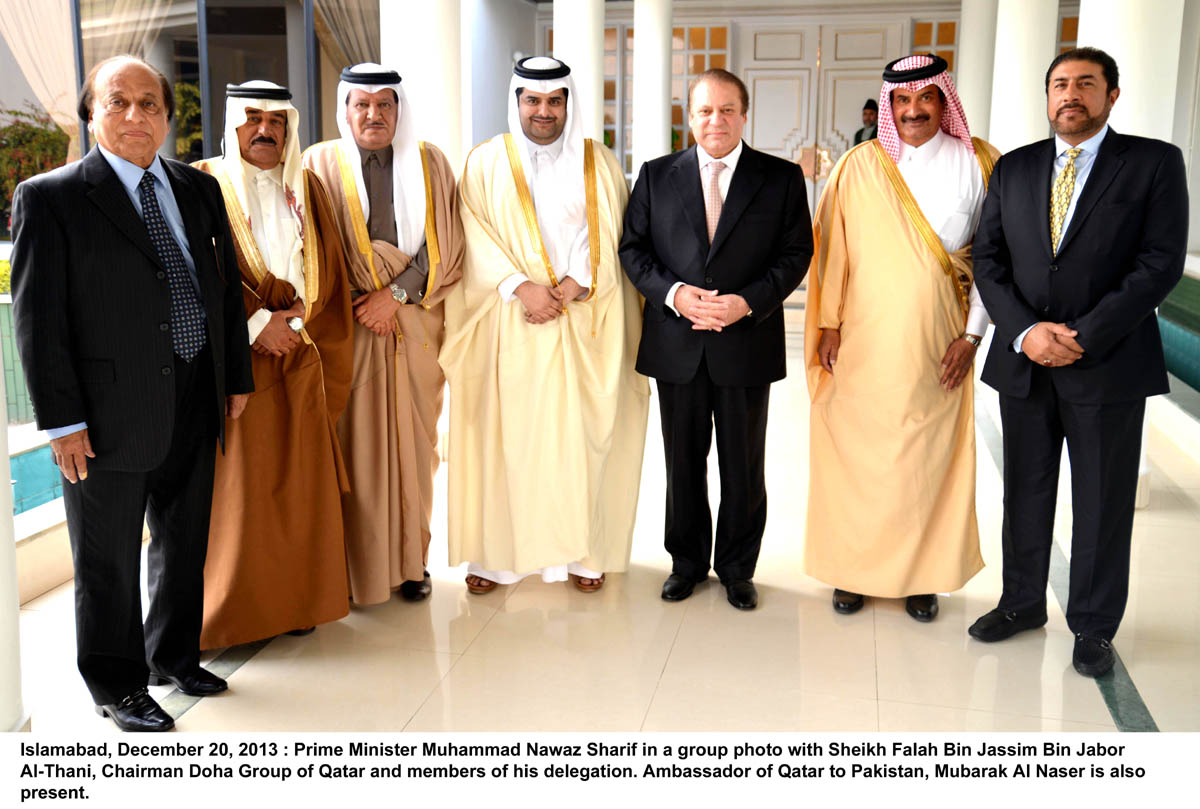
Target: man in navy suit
(129,321)
(1082,236)
(715,238)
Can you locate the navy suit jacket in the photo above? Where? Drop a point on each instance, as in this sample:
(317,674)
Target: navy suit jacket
(1121,255)
(92,307)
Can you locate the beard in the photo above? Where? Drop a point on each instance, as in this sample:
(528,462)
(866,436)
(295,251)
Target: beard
(1083,123)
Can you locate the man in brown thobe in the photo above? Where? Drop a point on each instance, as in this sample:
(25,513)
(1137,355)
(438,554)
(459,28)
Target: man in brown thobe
(398,222)
(276,557)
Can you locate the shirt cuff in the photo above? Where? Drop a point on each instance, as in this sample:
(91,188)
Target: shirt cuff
(1016,344)
(670,301)
(508,287)
(977,321)
(257,322)
(59,432)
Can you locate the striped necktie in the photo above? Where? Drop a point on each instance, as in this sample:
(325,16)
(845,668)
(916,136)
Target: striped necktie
(1060,198)
(187,315)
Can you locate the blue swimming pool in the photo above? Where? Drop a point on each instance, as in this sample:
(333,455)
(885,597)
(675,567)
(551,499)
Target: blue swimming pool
(36,479)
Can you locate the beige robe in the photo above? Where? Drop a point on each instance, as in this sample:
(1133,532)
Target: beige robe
(547,422)
(891,504)
(389,431)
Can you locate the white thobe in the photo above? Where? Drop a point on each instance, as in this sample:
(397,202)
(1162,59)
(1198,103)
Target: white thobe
(274,226)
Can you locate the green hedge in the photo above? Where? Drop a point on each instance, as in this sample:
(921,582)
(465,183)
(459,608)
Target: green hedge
(5,281)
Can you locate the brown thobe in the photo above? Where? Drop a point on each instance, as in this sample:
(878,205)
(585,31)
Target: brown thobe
(276,556)
(388,432)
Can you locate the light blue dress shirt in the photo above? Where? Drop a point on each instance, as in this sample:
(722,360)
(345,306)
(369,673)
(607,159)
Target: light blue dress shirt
(1083,167)
(130,176)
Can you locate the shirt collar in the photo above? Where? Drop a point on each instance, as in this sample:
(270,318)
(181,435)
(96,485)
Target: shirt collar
(551,150)
(927,151)
(384,155)
(130,174)
(252,172)
(730,160)
(1091,145)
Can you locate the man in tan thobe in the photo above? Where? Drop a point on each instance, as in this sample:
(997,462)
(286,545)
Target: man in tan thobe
(276,559)
(891,327)
(398,222)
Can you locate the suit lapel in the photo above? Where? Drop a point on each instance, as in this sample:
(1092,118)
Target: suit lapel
(747,178)
(110,197)
(685,177)
(188,198)
(1039,188)
(1104,170)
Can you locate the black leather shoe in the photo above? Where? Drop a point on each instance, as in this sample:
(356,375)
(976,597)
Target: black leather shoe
(847,602)
(1093,657)
(1000,624)
(923,608)
(417,590)
(741,593)
(677,588)
(137,712)
(301,632)
(198,683)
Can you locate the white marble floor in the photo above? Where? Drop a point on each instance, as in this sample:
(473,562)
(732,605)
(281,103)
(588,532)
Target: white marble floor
(535,656)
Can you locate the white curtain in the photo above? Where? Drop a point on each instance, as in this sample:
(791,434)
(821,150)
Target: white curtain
(39,34)
(112,27)
(351,29)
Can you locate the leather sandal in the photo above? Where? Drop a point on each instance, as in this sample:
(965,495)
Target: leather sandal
(483,586)
(595,585)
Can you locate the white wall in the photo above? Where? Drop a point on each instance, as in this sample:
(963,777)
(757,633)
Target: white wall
(496,29)
(1186,134)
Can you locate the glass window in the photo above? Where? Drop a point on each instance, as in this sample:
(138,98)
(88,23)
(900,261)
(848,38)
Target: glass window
(922,34)
(945,33)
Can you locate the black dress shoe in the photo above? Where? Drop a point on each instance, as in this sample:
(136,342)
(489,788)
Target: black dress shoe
(301,632)
(847,602)
(923,608)
(1093,657)
(417,590)
(677,588)
(137,712)
(198,683)
(1000,624)
(741,593)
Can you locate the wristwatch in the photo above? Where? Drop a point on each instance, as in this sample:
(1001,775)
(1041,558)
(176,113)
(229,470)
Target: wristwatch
(295,324)
(399,293)
(972,339)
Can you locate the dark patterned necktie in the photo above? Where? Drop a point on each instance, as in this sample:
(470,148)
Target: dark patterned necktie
(187,315)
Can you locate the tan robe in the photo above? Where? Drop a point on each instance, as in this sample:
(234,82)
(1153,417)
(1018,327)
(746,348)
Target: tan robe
(389,430)
(891,504)
(276,560)
(548,422)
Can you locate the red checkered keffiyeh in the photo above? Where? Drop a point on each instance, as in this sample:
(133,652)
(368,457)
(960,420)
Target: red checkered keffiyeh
(954,120)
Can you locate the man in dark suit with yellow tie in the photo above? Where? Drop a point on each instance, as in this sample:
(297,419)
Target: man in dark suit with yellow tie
(129,322)
(1082,236)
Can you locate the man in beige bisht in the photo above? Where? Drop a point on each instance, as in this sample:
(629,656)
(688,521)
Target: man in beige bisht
(398,221)
(891,328)
(276,561)
(547,415)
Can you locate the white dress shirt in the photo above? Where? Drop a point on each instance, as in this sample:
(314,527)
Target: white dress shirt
(1083,168)
(561,218)
(946,181)
(723,180)
(274,229)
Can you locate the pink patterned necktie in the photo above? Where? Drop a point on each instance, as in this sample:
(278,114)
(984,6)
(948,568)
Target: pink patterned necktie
(712,197)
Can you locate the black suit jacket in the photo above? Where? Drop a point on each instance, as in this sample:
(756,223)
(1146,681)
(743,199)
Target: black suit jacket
(92,307)
(1121,255)
(760,251)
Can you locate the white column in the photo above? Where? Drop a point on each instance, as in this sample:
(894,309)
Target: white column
(652,83)
(579,41)
(976,62)
(12,710)
(422,39)
(1145,39)
(1026,36)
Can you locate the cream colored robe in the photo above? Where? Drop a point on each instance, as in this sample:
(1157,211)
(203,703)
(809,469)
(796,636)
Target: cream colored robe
(547,422)
(891,504)
(389,432)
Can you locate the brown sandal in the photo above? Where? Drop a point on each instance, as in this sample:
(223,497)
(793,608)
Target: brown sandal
(483,587)
(595,585)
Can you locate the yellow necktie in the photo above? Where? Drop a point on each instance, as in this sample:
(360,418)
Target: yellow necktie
(1060,198)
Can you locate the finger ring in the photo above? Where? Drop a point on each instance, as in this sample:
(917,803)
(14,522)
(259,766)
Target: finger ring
(1047,362)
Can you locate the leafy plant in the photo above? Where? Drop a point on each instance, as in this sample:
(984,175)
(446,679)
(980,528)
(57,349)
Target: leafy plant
(5,279)
(190,140)
(30,143)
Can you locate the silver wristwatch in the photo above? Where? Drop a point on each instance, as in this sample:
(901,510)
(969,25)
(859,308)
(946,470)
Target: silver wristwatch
(295,324)
(972,339)
(399,293)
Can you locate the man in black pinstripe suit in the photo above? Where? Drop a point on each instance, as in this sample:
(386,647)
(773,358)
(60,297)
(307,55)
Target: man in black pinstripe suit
(130,326)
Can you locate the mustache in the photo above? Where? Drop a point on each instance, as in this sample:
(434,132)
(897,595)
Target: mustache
(910,119)
(1066,107)
(264,139)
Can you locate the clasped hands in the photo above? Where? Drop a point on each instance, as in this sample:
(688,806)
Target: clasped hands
(376,310)
(544,303)
(277,337)
(707,309)
(1051,344)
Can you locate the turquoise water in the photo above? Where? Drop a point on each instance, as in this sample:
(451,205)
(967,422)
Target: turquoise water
(36,479)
